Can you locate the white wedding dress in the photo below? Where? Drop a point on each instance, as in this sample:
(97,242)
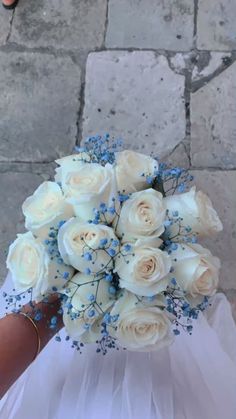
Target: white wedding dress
(195,378)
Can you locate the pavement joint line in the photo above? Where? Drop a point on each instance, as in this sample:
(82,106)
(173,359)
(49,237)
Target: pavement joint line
(10,27)
(213,168)
(14,166)
(195,20)
(15,47)
(80,112)
(187,98)
(27,161)
(106,25)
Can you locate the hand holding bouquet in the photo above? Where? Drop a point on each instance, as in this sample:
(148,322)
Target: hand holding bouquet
(116,236)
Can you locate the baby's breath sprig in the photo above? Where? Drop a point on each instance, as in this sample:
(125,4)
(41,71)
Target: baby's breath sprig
(178,305)
(100,149)
(184,232)
(170,180)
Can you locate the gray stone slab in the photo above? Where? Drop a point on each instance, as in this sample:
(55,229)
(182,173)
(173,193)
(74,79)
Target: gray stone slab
(14,188)
(221,188)
(5,24)
(213,118)
(150,24)
(136,96)
(38,107)
(71,24)
(216,25)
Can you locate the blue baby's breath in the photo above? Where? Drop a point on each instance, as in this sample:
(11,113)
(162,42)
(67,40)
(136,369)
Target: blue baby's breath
(88,256)
(127,248)
(111,252)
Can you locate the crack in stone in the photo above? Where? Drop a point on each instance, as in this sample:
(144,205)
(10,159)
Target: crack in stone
(186,145)
(79,119)
(174,149)
(195,86)
(106,25)
(187,98)
(181,143)
(11,25)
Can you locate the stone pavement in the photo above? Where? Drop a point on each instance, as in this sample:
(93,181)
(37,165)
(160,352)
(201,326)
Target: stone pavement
(161,74)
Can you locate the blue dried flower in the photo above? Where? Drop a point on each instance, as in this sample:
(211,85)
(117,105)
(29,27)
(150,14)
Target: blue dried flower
(88,256)
(111,252)
(108,277)
(91,313)
(91,298)
(115,243)
(127,248)
(174,246)
(112,290)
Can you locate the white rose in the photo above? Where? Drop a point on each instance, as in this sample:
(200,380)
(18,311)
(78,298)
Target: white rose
(130,168)
(88,298)
(31,266)
(196,211)
(195,269)
(45,208)
(80,245)
(141,216)
(87,186)
(141,328)
(143,270)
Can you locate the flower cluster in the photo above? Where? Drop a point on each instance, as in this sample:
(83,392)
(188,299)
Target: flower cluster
(112,237)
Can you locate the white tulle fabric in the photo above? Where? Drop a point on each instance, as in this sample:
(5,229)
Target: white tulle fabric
(195,378)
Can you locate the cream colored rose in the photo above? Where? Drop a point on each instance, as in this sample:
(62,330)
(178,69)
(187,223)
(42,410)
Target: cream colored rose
(86,186)
(80,245)
(130,168)
(31,266)
(71,162)
(141,328)
(196,211)
(45,208)
(195,269)
(142,216)
(88,298)
(143,270)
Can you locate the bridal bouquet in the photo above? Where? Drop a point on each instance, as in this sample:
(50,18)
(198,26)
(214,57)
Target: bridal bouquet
(116,236)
